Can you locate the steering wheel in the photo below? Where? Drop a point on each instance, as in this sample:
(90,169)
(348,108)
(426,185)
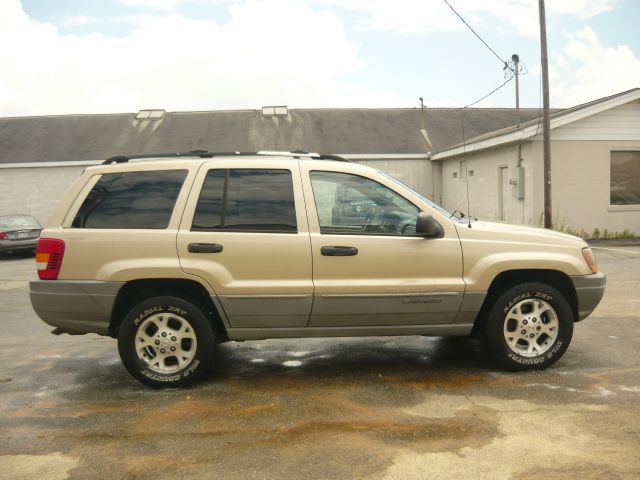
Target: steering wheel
(408,228)
(370,217)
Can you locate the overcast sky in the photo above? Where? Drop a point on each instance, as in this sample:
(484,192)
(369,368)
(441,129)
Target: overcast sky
(104,56)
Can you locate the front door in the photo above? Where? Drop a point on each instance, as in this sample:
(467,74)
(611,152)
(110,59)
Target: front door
(369,266)
(243,235)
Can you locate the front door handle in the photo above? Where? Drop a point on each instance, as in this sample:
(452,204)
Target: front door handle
(204,248)
(338,251)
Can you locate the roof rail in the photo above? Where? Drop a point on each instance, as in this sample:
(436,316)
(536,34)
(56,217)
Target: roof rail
(208,154)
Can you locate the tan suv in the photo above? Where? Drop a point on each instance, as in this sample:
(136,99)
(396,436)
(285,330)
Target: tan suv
(174,253)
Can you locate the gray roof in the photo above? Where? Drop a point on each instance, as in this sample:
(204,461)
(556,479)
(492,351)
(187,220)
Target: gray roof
(342,131)
(445,125)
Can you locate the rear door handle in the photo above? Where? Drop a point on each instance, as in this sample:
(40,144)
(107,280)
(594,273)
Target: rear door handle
(204,248)
(338,251)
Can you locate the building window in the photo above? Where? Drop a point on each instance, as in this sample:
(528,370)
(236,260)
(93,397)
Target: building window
(455,174)
(625,178)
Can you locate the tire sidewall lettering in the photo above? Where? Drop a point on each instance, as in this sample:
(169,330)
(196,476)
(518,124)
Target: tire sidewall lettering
(173,377)
(158,309)
(523,296)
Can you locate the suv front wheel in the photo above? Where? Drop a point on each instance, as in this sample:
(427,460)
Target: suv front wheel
(166,342)
(529,327)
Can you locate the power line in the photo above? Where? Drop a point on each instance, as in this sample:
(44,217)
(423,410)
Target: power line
(480,99)
(490,93)
(476,34)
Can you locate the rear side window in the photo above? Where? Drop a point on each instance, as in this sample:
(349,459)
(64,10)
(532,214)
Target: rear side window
(258,200)
(131,200)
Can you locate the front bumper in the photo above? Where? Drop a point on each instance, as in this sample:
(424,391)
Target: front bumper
(76,306)
(589,292)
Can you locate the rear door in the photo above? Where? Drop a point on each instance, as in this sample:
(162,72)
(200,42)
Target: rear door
(245,233)
(369,266)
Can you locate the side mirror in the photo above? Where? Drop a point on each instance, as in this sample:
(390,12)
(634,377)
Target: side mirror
(428,227)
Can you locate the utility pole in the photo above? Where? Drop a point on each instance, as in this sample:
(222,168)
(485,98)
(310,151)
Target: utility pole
(516,72)
(546,124)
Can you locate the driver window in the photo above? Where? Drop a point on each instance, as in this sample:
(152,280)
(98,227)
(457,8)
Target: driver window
(350,204)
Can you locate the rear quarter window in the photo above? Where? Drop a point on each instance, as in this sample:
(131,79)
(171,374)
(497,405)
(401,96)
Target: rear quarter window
(130,200)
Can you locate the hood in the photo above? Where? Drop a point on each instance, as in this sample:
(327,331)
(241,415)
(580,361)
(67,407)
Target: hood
(510,232)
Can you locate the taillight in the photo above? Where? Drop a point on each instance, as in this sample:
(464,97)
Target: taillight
(3,235)
(49,253)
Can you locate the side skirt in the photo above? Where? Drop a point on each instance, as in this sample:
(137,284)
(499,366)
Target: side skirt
(394,330)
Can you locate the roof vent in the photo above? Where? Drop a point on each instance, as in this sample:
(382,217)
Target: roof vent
(280,110)
(150,115)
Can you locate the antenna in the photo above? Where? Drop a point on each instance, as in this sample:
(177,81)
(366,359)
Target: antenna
(466,168)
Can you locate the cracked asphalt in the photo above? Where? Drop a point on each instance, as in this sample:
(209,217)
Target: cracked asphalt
(374,408)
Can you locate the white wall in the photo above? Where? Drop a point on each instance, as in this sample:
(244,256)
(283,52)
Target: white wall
(483,185)
(417,173)
(35,191)
(619,123)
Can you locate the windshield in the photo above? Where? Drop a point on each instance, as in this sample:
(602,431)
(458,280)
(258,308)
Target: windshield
(431,203)
(19,221)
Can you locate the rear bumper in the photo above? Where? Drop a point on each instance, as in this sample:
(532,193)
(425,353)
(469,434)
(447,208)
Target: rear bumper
(589,291)
(77,306)
(15,245)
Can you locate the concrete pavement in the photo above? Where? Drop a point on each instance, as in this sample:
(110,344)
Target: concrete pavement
(388,408)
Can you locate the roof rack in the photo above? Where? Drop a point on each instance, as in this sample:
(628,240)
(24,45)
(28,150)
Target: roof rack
(208,154)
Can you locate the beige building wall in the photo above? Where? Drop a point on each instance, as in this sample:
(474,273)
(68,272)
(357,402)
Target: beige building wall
(580,173)
(580,195)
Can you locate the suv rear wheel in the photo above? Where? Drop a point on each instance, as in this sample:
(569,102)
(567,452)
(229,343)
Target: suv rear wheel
(529,327)
(166,342)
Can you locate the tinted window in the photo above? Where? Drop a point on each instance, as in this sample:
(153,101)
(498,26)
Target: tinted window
(209,210)
(131,200)
(352,204)
(248,200)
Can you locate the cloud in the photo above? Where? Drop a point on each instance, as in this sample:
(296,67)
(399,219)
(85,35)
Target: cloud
(154,4)
(79,21)
(267,53)
(424,17)
(587,70)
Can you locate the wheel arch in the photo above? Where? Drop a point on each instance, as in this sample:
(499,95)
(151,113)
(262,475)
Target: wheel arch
(135,291)
(504,280)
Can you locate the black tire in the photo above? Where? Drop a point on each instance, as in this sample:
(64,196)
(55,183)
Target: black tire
(529,327)
(177,332)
